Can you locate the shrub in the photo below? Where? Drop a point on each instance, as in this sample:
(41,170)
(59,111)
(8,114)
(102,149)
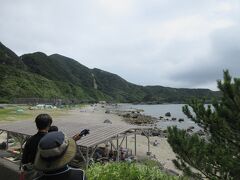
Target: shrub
(126,171)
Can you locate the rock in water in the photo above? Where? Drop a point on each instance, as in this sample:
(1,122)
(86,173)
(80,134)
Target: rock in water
(180,120)
(168,114)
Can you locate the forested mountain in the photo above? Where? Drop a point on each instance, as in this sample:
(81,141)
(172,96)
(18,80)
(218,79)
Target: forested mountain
(37,75)
(8,57)
(117,88)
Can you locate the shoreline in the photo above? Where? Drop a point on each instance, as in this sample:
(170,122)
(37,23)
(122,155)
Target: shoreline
(95,114)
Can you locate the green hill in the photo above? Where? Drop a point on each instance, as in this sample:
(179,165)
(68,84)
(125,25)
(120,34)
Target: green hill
(176,95)
(58,68)
(116,87)
(37,75)
(8,57)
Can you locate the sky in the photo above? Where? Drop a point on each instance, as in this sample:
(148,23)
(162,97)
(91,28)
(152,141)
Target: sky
(173,43)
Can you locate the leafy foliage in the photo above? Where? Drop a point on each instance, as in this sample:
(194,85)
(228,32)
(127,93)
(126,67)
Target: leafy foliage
(127,171)
(217,155)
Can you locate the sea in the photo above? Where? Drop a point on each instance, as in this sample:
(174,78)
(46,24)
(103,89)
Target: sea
(160,110)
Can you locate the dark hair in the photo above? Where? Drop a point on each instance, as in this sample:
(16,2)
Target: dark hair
(43,121)
(53,128)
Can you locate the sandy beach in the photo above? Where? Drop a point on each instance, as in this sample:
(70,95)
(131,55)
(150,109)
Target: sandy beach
(96,115)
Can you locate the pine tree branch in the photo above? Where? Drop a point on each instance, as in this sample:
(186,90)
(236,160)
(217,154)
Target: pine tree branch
(230,140)
(196,167)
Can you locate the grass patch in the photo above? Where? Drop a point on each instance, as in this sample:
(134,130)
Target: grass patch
(15,112)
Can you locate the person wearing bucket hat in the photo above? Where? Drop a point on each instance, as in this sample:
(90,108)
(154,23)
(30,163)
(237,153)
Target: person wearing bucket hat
(55,151)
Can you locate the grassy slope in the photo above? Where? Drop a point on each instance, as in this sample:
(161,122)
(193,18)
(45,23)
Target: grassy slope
(20,84)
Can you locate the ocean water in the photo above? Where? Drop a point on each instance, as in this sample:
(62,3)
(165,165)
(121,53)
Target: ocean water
(160,110)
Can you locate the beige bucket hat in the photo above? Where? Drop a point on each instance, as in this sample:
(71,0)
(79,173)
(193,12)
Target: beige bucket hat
(55,150)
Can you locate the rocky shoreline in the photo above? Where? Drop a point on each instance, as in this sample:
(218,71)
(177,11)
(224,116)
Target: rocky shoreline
(136,117)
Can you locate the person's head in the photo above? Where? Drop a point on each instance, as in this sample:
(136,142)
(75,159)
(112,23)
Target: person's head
(53,128)
(43,121)
(55,151)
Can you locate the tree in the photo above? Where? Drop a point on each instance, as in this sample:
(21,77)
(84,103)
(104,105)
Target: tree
(217,154)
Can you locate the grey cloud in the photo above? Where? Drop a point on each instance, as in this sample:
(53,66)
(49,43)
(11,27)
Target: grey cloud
(170,43)
(224,54)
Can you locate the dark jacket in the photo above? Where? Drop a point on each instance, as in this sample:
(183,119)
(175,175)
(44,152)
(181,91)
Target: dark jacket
(30,148)
(65,174)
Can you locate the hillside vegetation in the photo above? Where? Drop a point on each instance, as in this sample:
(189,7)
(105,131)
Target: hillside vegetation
(37,75)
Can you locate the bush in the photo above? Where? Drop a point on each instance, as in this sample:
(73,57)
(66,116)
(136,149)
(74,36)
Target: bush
(126,171)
